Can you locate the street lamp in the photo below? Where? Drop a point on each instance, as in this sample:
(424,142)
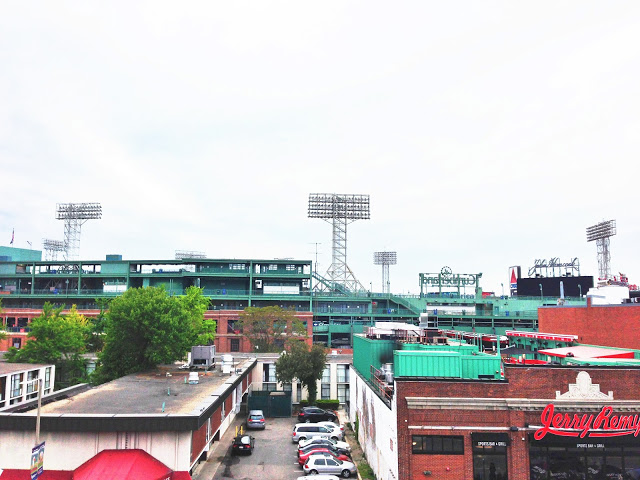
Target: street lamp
(67,282)
(580,288)
(540,285)
(502,285)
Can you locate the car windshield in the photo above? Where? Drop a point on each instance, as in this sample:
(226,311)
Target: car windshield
(244,440)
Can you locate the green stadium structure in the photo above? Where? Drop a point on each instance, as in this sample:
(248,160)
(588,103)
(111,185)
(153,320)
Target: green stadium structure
(27,282)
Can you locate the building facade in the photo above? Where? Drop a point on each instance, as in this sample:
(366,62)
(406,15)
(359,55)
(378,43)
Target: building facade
(533,422)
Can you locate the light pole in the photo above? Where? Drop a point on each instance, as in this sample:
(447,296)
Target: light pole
(540,285)
(67,282)
(580,288)
(502,285)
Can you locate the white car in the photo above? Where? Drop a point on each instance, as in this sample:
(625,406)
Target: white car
(334,427)
(320,440)
(321,477)
(316,464)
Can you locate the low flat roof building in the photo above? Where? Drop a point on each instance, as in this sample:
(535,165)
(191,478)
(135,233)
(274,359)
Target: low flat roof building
(159,412)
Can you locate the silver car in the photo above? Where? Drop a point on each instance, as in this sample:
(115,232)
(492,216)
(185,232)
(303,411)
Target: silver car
(320,464)
(321,477)
(256,419)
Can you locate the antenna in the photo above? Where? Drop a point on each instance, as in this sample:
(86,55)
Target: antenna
(315,266)
(601,232)
(51,248)
(385,259)
(182,254)
(340,210)
(74,216)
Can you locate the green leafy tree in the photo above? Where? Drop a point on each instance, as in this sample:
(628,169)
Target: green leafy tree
(146,327)
(97,324)
(57,339)
(270,328)
(3,333)
(304,364)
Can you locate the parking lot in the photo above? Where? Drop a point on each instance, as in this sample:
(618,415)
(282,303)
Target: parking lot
(274,456)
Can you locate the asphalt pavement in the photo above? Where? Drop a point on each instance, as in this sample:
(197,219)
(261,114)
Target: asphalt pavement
(274,456)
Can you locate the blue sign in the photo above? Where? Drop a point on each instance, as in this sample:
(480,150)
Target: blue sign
(37,461)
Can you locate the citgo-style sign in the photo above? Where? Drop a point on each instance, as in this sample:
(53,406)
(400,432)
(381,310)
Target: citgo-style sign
(604,424)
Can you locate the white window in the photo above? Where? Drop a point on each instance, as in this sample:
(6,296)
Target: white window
(269,381)
(325,386)
(343,373)
(16,385)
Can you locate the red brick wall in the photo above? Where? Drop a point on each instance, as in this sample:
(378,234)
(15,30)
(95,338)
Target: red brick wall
(228,405)
(216,421)
(223,339)
(611,326)
(198,441)
(222,317)
(523,382)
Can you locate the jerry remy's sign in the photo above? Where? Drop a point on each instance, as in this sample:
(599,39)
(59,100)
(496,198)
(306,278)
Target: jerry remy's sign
(604,424)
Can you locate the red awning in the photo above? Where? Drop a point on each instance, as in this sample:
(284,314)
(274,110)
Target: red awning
(108,465)
(121,465)
(13,474)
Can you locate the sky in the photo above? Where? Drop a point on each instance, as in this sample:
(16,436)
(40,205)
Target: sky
(487,134)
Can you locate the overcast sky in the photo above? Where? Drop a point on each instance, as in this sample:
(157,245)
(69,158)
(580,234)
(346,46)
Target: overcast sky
(488,134)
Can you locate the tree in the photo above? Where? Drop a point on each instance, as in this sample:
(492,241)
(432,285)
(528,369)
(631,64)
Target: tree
(3,333)
(57,339)
(304,364)
(97,324)
(146,327)
(269,328)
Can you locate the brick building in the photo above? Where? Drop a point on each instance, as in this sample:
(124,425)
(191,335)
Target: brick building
(420,426)
(608,325)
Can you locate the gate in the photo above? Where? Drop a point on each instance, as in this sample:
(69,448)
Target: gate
(272,403)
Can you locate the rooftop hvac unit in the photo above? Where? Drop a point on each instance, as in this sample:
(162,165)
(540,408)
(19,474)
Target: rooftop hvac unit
(227,364)
(203,356)
(387,369)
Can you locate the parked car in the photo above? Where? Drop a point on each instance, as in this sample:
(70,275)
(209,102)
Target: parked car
(324,441)
(321,477)
(243,444)
(336,451)
(321,464)
(256,419)
(334,427)
(315,414)
(302,431)
(302,458)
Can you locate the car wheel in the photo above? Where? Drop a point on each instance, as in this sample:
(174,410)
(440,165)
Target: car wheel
(301,439)
(346,473)
(308,420)
(335,438)
(313,472)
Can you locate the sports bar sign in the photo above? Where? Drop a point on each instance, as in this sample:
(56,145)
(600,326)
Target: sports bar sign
(603,424)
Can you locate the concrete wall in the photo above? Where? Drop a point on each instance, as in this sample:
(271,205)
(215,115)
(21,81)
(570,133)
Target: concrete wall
(377,430)
(69,450)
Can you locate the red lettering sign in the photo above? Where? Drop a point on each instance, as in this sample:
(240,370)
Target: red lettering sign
(584,425)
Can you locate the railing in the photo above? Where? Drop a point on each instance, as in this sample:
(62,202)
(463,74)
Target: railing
(18,329)
(378,380)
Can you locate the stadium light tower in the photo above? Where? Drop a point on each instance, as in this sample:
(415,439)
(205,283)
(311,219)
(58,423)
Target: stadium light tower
(601,232)
(51,248)
(74,216)
(385,259)
(340,210)
(182,254)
